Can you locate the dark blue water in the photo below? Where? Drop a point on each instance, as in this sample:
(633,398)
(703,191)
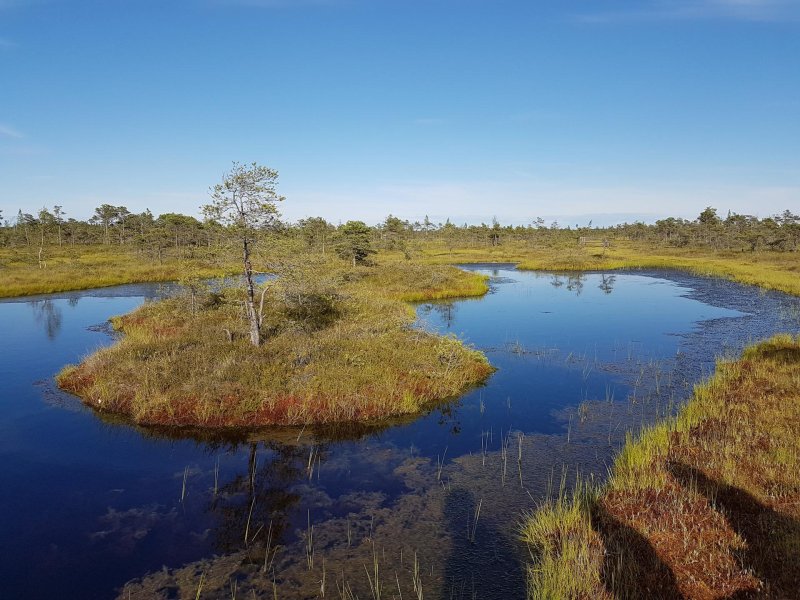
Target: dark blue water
(89,503)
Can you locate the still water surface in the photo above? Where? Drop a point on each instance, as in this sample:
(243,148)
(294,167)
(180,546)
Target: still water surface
(92,508)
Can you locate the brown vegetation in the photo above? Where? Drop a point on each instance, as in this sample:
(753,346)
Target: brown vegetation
(706,506)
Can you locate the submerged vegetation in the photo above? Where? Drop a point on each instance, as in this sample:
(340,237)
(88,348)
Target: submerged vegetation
(705,505)
(339,345)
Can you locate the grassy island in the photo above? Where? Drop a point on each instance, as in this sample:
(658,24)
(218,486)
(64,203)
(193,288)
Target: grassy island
(339,346)
(706,505)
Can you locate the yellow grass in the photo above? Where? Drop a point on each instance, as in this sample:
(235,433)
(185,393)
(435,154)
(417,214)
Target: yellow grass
(86,267)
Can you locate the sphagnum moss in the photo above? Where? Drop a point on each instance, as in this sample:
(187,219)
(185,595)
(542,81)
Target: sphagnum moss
(705,505)
(340,346)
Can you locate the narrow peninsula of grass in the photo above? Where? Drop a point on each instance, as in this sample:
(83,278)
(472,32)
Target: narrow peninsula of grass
(339,346)
(706,505)
(81,268)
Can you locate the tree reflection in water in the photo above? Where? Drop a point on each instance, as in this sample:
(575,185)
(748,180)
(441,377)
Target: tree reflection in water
(574,282)
(446,309)
(48,315)
(253,507)
(607,283)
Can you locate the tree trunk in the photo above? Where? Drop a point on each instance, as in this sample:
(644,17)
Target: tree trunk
(41,249)
(252,316)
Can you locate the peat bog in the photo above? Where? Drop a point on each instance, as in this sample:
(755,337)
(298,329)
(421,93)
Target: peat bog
(429,505)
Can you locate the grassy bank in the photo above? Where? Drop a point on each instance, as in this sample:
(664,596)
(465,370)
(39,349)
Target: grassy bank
(769,270)
(339,347)
(706,505)
(86,267)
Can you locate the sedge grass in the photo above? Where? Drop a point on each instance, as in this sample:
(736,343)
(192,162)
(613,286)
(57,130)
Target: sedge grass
(83,267)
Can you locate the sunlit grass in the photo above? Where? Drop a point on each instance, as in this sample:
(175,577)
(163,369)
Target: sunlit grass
(668,514)
(414,282)
(769,270)
(560,533)
(85,267)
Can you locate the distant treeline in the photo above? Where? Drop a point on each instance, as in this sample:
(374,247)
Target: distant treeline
(172,231)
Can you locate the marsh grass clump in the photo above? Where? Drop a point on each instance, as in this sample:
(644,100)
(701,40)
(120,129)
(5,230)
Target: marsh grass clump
(560,532)
(704,505)
(338,346)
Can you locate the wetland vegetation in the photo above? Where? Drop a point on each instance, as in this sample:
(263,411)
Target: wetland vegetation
(702,505)
(519,320)
(340,342)
(45,253)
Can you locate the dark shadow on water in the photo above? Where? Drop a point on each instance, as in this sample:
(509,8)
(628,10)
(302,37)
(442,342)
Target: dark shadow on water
(632,570)
(772,539)
(482,563)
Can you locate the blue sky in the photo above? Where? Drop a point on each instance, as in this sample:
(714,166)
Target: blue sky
(464,109)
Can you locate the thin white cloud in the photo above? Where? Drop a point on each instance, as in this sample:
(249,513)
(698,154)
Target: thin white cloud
(7,131)
(686,10)
(5,43)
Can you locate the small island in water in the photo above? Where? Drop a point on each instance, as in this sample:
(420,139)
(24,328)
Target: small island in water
(339,345)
